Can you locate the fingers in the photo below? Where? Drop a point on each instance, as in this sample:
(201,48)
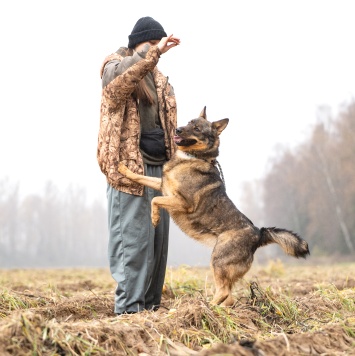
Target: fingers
(168,42)
(173,39)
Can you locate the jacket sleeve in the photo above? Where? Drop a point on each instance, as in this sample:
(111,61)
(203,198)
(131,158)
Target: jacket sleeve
(121,78)
(115,67)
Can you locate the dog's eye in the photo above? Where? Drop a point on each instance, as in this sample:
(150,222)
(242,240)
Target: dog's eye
(196,129)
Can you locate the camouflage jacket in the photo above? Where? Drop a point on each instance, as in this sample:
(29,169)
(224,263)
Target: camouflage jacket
(119,133)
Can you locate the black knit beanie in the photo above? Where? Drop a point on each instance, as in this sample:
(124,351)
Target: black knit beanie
(145,29)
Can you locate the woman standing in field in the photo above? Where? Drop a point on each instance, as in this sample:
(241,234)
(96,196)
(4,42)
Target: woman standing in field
(137,125)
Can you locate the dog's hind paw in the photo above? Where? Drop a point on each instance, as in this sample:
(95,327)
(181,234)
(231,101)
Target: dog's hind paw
(223,300)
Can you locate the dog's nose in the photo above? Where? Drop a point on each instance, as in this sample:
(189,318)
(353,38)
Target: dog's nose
(178,131)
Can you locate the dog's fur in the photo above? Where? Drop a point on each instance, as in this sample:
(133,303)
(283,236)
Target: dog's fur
(195,197)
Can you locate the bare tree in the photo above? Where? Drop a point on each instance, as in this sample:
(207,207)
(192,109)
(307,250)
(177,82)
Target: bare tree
(312,189)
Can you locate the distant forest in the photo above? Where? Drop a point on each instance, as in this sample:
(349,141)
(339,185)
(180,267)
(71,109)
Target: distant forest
(53,229)
(309,189)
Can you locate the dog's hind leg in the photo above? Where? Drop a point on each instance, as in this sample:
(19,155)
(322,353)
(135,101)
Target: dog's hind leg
(230,261)
(223,295)
(222,273)
(225,277)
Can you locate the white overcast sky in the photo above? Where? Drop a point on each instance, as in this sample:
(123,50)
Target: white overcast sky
(266,65)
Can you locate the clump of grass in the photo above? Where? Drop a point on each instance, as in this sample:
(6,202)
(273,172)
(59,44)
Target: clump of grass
(349,328)
(345,298)
(9,302)
(41,337)
(196,324)
(276,309)
(187,280)
(12,300)
(336,303)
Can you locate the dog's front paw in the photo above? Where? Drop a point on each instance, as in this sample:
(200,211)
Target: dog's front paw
(155,219)
(122,169)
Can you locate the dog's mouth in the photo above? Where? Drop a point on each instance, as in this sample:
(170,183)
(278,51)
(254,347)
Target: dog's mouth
(184,142)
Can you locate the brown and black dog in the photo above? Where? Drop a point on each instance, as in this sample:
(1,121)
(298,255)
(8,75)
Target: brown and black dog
(195,197)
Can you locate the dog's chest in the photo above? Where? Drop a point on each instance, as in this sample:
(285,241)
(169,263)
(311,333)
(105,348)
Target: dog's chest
(174,180)
(183,176)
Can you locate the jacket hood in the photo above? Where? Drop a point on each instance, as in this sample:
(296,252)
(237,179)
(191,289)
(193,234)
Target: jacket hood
(121,52)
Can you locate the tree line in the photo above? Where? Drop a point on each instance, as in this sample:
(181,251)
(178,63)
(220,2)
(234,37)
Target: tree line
(53,229)
(311,188)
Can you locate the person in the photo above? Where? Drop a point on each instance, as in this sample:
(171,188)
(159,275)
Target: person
(138,118)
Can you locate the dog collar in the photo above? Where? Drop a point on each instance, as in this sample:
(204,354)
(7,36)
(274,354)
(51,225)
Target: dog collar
(187,155)
(184,155)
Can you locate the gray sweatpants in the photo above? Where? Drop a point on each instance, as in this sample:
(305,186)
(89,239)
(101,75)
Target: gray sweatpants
(137,251)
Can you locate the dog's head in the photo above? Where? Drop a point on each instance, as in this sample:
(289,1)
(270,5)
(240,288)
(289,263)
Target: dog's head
(199,136)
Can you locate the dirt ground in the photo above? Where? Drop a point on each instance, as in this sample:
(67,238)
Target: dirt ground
(279,310)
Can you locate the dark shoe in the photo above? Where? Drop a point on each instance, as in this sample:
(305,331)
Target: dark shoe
(153,308)
(127,312)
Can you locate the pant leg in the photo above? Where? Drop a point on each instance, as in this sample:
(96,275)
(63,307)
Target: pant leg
(131,248)
(161,241)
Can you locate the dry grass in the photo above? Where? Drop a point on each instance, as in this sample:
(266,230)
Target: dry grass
(279,310)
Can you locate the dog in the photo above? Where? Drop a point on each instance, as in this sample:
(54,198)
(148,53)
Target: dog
(194,195)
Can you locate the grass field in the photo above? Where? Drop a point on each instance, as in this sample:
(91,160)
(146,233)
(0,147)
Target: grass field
(279,310)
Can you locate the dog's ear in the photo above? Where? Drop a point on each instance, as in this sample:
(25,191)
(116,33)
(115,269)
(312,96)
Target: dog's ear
(220,125)
(203,113)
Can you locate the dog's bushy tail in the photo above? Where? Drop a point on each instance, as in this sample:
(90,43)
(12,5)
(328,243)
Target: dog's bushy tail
(290,242)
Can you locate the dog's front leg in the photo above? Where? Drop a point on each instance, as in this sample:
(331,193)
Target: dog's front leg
(151,182)
(168,203)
